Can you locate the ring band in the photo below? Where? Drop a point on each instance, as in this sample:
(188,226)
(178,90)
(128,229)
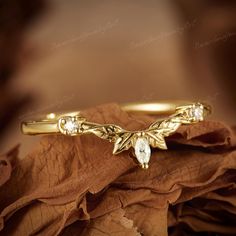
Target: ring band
(154,136)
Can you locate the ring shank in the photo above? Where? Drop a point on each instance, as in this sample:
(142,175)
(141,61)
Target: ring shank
(37,127)
(153,108)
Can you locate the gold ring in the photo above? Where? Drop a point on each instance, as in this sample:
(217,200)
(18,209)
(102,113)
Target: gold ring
(142,140)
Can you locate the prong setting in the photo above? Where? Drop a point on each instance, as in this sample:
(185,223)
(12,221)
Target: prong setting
(68,125)
(197,112)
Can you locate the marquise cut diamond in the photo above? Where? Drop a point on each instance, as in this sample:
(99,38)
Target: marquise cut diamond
(142,151)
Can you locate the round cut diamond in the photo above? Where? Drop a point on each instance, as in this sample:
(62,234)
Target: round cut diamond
(197,113)
(69,125)
(142,150)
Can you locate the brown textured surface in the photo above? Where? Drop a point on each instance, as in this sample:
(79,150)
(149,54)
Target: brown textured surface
(75,186)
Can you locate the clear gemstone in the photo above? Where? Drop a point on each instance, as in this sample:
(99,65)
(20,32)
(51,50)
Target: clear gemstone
(142,150)
(70,126)
(197,113)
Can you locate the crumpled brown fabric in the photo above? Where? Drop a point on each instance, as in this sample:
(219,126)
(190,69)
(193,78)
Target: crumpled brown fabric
(75,186)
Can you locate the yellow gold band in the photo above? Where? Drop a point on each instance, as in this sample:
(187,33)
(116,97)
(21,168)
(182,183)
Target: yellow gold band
(74,124)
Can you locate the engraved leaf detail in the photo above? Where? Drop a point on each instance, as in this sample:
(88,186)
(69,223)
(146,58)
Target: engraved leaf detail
(123,139)
(160,129)
(103,131)
(165,127)
(156,139)
(123,142)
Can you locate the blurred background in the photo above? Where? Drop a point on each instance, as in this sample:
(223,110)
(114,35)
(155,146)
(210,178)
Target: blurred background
(67,55)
